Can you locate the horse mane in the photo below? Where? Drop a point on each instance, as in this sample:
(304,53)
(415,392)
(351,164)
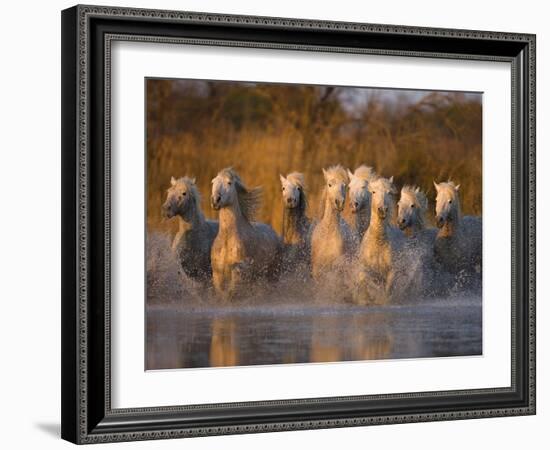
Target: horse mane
(322,201)
(298,179)
(337,172)
(386,185)
(418,194)
(421,199)
(191,187)
(365,173)
(453,186)
(249,198)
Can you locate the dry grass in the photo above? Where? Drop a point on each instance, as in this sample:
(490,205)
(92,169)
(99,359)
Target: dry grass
(265,130)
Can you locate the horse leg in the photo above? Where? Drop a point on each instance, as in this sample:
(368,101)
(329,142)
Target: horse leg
(316,272)
(218,283)
(235,280)
(389,285)
(359,288)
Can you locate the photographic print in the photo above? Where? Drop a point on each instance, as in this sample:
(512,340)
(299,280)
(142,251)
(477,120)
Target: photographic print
(291,223)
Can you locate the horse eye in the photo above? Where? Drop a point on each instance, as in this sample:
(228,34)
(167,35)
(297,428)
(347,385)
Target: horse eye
(450,201)
(329,185)
(413,205)
(185,193)
(229,183)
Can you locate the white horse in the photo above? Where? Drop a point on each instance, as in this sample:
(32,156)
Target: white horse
(380,246)
(193,241)
(411,219)
(458,245)
(332,241)
(411,215)
(411,210)
(360,197)
(243,251)
(296,225)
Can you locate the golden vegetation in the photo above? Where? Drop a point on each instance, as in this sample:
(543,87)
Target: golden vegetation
(196,128)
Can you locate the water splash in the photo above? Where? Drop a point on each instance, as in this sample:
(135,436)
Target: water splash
(295,320)
(167,284)
(417,277)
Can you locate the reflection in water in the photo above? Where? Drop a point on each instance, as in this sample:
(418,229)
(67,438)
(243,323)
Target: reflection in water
(251,335)
(224,348)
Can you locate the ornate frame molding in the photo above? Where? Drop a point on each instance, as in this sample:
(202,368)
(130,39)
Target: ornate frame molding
(80,429)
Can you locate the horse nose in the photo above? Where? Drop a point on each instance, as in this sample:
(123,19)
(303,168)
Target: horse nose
(355,204)
(289,200)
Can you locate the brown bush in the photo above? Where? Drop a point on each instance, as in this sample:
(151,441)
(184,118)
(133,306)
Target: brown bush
(196,128)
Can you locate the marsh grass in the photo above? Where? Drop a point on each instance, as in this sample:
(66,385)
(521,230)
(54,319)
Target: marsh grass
(196,128)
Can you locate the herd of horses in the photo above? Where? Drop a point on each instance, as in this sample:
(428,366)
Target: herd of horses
(236,251)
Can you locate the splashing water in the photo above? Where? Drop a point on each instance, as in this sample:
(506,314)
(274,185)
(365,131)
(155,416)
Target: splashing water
(432,314)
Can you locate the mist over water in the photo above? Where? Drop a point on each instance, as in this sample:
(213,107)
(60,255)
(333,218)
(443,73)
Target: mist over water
(295,321)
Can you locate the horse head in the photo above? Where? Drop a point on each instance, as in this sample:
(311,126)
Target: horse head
(411,207)
(292,187)
(447,203)
(359,195)
(180,197)
(382,191)
(336,180)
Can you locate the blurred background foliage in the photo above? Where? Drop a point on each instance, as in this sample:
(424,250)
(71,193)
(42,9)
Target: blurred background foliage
(196,128)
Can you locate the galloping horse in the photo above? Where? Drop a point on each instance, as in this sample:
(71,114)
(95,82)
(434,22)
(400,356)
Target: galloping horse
(296,225)
(411,211)
(332,240)
(458,242)
(380,245)
(360,197)
(193,241)
(243,251)
(411,219)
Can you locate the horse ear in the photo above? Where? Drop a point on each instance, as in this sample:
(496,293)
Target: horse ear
(417,190)
(194,180)
(324,173)
(173,181)
(350,174)
(393,189)
(436,186)
(283,179)
(456,187)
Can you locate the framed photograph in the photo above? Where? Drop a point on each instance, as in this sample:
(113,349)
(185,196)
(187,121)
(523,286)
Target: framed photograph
(280,224)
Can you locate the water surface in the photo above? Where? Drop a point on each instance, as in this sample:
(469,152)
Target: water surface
(213,336)
(295,321)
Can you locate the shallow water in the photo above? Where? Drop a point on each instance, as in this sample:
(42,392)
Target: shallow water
(247,335)
(295,322)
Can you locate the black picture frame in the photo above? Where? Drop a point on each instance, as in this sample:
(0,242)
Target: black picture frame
(87,416)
